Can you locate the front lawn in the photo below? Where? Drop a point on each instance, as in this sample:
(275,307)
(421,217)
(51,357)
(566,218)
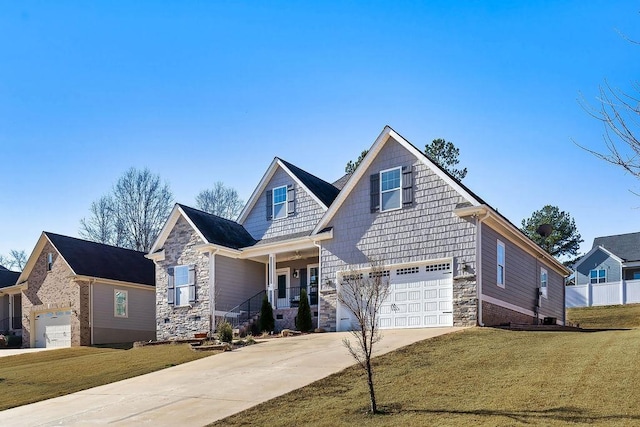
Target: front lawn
(611,316)
(480,376)
(32,377)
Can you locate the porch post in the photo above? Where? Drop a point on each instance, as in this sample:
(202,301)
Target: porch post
(11,312)
(272,279)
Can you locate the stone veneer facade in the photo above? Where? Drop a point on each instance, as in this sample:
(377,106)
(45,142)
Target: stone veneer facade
(182,322)
(54,290)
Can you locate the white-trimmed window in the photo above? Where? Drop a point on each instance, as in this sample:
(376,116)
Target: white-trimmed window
(501,257)
(120,303)
(49,261)
(544,282)
(598,276)
(182,284)
(390,189)
(280,202)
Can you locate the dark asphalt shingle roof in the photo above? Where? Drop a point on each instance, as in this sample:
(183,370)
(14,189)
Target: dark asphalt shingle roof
(7,277)
(340,183)
(322,189)
(625,246)
(218,230)
(104,261)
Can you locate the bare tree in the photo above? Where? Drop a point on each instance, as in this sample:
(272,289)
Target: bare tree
(619,112)
(133,214)
(15,261)
(220,200)
(363,295)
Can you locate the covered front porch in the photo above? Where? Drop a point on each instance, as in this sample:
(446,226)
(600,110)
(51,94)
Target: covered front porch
(292,266)
(11,311)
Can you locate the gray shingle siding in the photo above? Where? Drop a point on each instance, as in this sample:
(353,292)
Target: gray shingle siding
(598,260)
(522,277)
(307,212)
(428,229)
(236,281)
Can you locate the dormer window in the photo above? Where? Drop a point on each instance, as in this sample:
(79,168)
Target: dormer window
(280,202)
(390,191)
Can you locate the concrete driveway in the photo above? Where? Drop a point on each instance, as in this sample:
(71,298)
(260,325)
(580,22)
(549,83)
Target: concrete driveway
(203,391)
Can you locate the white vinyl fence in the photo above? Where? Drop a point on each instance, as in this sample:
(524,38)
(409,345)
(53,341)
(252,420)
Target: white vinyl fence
(625,292)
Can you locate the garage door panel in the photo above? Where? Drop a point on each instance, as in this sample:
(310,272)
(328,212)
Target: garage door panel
(385,322)
(53,329)
(414,308)
(431,294)
(414,295)
(431,320)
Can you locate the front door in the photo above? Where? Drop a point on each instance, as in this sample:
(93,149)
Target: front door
(282,288)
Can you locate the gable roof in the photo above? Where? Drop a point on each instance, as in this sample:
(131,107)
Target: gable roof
(591,252)
(212,229)
(98,260)
(321,191)
(8,278)
(218,230)
(625,246)
(387,134)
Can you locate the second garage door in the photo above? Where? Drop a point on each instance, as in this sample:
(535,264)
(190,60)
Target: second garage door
(53,329)
(420,296)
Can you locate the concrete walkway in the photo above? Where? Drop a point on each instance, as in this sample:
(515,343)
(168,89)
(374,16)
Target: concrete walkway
(13,351)
(206,390)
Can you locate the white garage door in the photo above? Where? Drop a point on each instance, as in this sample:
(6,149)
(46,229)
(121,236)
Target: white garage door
(420,296)
(53,329)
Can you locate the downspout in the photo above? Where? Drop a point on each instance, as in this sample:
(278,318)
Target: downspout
(91,308)
(319,246)
(479,264)
(212,290)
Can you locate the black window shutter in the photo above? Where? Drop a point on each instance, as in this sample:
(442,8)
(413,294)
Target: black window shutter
(192,283)
(291,199)
(375,192)
(170,286)
(269,204)
(407,185)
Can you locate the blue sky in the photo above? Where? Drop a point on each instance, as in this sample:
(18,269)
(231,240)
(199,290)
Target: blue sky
(201,92)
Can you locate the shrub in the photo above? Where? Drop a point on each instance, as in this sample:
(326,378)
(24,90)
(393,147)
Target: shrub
(225,332)
(267,323)
(303,320)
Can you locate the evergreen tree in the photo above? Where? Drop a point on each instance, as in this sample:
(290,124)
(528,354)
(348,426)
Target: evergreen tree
(267,323)
(303,320)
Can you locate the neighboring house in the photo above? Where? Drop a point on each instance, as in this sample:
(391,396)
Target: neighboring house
(451,259)
(608,274)
(10,302)
(76,292)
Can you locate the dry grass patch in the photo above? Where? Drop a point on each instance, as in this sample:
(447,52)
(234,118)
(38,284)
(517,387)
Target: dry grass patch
(611,316)
(477,377)
(32,377)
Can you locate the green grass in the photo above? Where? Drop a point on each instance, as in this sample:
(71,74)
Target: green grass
(612,316)
(480,376)
(32,377)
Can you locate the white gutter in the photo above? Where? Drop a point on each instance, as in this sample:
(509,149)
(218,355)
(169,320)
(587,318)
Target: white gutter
(91,308)
(479,264)
(319,246)
(212,290)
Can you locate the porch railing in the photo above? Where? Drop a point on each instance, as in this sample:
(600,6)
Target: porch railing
(291,298)
(241,313)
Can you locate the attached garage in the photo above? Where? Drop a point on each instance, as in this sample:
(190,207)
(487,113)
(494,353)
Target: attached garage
(53,329)
(420,295)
